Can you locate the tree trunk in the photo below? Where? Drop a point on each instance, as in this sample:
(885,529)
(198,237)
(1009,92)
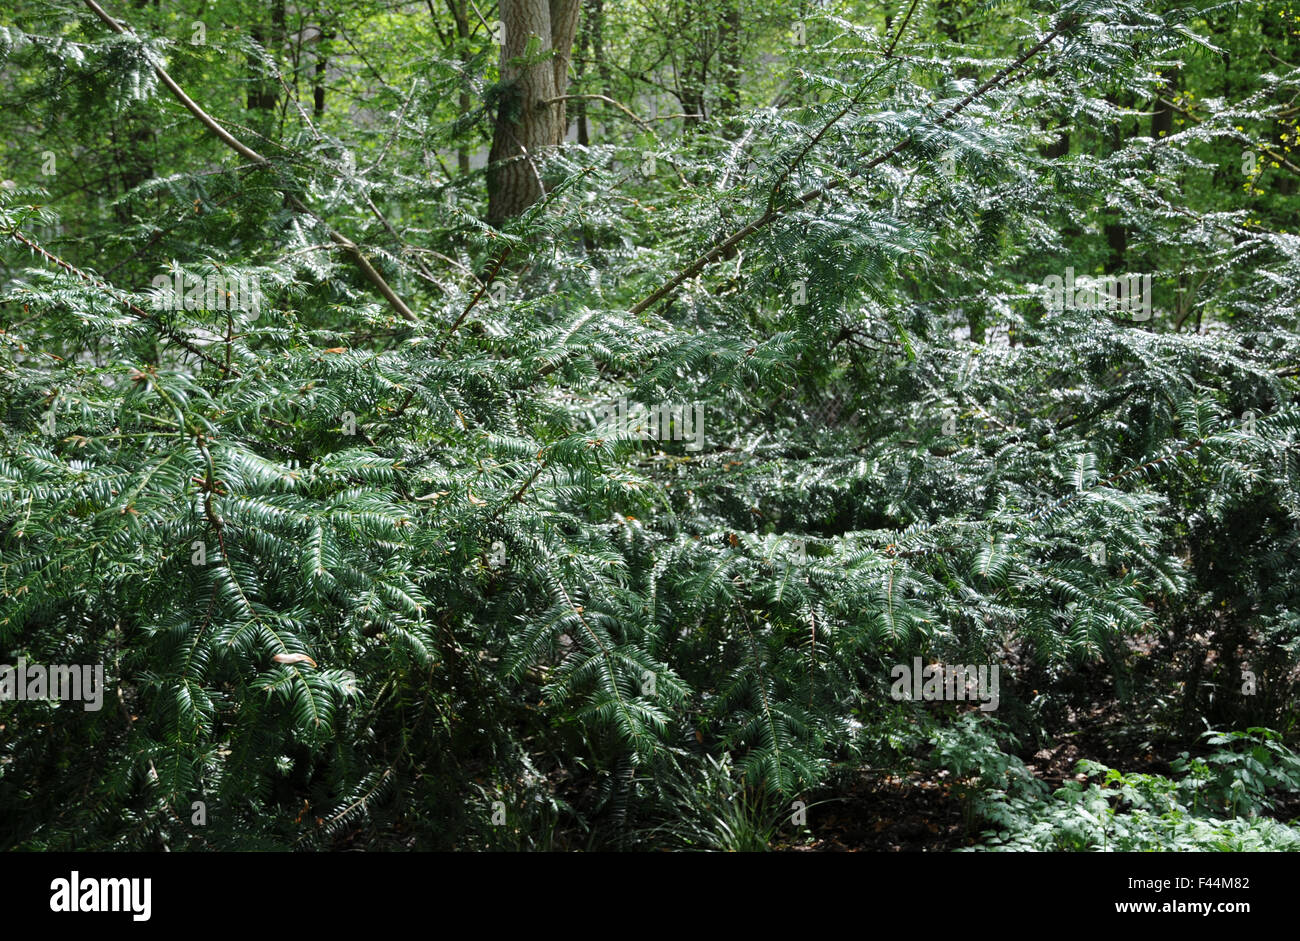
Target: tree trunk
(529,119)
(584,45)
(460,15)
(1162,115)
(730,55)
(323,45)
(264,92)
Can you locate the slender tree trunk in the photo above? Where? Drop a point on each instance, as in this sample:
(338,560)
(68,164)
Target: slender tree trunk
(263,92)
(1162,115)
(322,70)
(584,44)
(529,119)
(564,26)
(597,13)
(729,55)
(460,14)
(1059,147)
(691,98)
(256,87)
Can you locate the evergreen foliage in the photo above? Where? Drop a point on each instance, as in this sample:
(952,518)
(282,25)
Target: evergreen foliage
(906,450)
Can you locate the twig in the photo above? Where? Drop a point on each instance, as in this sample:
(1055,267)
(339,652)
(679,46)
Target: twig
(617,104)
(721,248)
(248,153)
(138,312)
(475,299)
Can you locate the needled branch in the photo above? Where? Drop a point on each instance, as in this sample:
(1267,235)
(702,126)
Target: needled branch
(248,153)
(773,212)
(137,312)
(483,287)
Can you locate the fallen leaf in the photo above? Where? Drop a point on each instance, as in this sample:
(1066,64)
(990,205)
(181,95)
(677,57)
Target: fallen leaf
(293,658)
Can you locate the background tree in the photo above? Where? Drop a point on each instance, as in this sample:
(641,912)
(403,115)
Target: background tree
(535,53)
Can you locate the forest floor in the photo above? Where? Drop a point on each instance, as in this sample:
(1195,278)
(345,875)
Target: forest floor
(923,811)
